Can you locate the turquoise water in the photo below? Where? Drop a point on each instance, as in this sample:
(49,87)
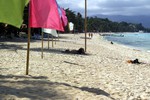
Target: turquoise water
(140,41)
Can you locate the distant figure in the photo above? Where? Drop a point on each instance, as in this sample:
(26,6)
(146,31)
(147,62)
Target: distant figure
(91,35)
(111,42)
(136,61)
(79,51)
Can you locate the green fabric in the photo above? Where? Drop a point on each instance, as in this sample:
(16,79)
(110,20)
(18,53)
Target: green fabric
(11,11)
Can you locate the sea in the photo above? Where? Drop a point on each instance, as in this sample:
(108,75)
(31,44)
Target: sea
(136,40)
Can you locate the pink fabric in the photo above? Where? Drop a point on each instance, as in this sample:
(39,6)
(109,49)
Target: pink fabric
(64,17)
(44,14)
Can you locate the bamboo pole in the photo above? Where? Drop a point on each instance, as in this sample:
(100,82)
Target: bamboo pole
(28,51)
(52,42)
(28,45)
(42,47)
(55,40)
(85,25)
(48,41)
(58,36)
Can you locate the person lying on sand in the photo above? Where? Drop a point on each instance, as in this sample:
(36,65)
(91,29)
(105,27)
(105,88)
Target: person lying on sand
(136,61)
(79,51)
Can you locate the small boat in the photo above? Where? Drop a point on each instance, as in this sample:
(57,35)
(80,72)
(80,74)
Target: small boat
(140,31)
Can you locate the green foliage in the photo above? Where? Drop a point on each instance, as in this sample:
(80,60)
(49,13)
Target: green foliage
(105,25)
(76,19)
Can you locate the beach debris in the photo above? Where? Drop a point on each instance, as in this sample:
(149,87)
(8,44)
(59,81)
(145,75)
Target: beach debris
(136,61)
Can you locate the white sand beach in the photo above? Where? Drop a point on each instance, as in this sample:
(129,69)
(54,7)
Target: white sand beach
(103,74)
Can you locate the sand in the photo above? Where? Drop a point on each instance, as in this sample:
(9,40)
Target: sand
(102,74)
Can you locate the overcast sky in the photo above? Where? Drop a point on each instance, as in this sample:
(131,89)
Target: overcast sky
(108,7)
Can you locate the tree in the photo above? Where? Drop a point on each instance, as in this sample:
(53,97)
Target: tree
(79,23)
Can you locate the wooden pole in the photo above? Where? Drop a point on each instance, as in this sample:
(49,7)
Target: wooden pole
(52,42)
(28,45)
(42,47)
(58,36)
(48,41)
(85,25)
(55,40)
(28,51)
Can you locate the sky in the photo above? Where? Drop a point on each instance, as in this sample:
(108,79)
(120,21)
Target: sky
(108,7)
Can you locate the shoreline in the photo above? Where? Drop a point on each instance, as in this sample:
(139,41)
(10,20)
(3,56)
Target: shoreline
(143,49)
(103,74)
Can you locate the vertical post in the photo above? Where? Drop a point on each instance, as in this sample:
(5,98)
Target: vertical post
(28,51)
(48,41)
(42,46)
(28,45)
(85,25)
(58,36)
(55,40)
(52,42)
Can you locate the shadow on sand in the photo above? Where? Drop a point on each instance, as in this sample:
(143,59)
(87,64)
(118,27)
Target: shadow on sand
(14,46)
(39,88)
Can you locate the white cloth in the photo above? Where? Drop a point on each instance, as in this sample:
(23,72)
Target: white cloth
(71,26)
(50,31)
